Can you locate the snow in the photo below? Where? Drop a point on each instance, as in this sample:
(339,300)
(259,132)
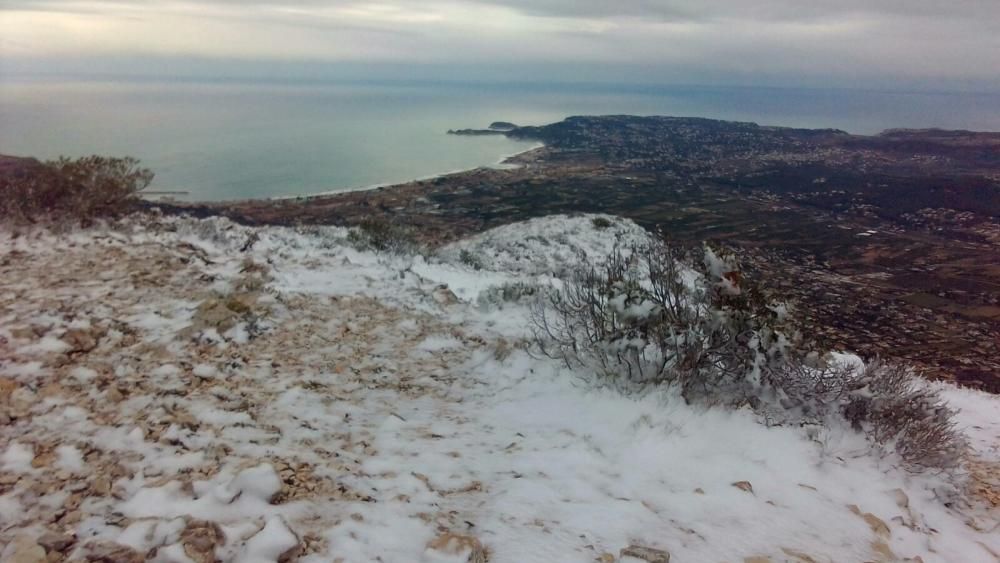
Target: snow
(17,458)
(267,545)
(83,373)
(370,417)
(69,459)
(205,371)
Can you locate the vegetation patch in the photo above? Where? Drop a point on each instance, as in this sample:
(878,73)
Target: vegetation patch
(380,235)
(651,316)
(73,190)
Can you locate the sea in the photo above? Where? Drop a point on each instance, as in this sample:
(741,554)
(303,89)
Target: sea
(240,139)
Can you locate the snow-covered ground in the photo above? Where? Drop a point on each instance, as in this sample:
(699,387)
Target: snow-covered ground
(166,396)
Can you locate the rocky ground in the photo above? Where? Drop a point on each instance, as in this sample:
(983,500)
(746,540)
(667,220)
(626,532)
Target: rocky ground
(181,390)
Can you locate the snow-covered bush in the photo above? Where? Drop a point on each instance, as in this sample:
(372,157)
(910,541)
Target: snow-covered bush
(470,259)
(646,317)
(601,223)
(511,292)
(663,316)
(893,406)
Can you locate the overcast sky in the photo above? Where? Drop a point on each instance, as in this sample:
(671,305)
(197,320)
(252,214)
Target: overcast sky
(851,43)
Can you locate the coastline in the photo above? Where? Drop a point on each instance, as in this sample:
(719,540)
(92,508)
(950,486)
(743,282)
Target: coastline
(505,162)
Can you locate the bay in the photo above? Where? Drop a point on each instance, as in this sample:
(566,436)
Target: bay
(250,139)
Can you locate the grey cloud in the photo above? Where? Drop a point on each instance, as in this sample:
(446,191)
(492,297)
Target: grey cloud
(783,40)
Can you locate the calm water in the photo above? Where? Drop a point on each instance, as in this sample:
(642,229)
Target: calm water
(241,140)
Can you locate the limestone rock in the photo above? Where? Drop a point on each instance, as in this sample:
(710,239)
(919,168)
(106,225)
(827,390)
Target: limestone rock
(877,525)
(200,539)
(647,554)
(56,543)
(102,551)
(798,556)
(101,486)
(24,550)
(114,395)
(444,296)
(453,544)
(21,401)
(7,386)
(80,340)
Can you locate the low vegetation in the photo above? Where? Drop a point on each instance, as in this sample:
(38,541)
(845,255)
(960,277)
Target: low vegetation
(601,223)
(379,235)
(73,190)
(653,316)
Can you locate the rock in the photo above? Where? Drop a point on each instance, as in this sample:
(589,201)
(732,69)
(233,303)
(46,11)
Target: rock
(883,551)
(606,558)
(21,401)
(101,486)
(103,551)
(200,539)
(444,296)
(877,525)
(24,550)
(213,313)
(744,486)
(241,303)
(43,460)
(114,395)
(51,390)
(80,340)
(22,333)
(902,500)
(458,545)
(56,543)
(699,491)
(7,387)
(647,554)
(799,556)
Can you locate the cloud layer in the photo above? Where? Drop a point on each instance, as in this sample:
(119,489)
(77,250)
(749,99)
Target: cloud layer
(842,41)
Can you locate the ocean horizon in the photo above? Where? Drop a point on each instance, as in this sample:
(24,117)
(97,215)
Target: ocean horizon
(235,139)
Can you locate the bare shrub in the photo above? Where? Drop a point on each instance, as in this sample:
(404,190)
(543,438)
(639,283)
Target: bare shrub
(380,235)
(894,407)
(638,321)
(654,316)
(601,223)
(470,259)
(513,292)
(74,189)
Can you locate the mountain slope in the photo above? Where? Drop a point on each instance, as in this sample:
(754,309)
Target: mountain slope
(170,395)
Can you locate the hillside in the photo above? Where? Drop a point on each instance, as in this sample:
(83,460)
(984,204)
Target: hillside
(891,240)
(177,389)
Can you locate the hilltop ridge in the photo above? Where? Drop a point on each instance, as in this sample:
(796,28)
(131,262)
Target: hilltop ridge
(192,388)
